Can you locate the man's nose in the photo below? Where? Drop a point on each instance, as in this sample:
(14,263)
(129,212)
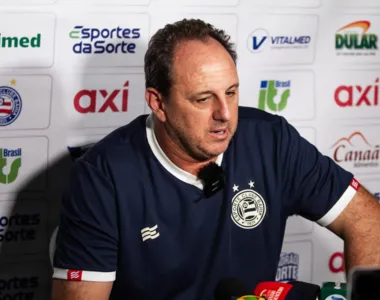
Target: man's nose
(222,110)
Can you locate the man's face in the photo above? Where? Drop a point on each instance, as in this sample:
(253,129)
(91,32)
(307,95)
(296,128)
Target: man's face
(202,109)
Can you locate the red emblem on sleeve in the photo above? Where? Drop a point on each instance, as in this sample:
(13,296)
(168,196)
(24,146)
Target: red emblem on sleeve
(355,184)
(74,275)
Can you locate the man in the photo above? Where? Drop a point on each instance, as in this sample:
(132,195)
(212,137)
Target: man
(135,221)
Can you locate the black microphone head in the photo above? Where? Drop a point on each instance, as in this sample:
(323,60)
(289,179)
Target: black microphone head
(212,177)
(230,288)
(304,290)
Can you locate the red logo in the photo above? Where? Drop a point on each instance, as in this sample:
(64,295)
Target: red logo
(336,262)
(74,275)
(356,149)
(100,101)
(355,184)
(349,95)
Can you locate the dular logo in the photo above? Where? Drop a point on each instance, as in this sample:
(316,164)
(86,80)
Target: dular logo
(288,266)
(353,39)
(100,101)
(356,150)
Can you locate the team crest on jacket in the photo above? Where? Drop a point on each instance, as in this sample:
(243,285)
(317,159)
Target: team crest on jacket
(248,208)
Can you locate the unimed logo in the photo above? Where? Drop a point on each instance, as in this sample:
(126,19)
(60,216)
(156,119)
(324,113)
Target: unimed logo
(20,41)
(357,95)
(16,228)
(356,150)
(18,288)
(100,101)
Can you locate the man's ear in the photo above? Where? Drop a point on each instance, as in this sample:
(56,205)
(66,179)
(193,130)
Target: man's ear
(154,99)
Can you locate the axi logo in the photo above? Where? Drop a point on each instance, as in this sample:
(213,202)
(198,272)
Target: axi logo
(288,266)
(354,36)
(10,104)
(88,40)
(357,95)
(356,150)
(99,101)
(259,38)
(336,262)
(5,157)
(269,90)
(20,42)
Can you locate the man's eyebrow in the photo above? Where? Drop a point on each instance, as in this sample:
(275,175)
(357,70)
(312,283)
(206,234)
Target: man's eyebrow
(235,85)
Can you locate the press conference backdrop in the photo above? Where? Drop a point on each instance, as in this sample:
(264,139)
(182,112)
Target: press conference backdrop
(72,71)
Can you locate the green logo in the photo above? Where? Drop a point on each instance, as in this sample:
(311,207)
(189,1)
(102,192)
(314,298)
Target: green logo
(269,89)
(355,36)
(5,156)
(20,42)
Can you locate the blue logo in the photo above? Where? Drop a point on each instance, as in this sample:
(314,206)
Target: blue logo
(261,39)
(335,297)
(10,105)
(104,40)
(377,196)
(288,267)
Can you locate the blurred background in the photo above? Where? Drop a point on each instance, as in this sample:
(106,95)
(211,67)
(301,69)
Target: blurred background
(72,71)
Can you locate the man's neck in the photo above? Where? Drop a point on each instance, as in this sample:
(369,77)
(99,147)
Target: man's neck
(174,152)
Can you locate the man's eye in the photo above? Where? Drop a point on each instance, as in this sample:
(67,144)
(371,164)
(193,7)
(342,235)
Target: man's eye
(202,100)
(231,93)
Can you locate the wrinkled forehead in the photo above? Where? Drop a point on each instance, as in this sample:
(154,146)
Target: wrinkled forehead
(202,64)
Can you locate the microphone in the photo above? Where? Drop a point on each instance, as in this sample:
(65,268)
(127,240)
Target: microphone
(295,290)
(212,176)
(233,289)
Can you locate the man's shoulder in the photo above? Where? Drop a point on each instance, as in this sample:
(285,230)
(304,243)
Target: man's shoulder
(120,143)
(249,116)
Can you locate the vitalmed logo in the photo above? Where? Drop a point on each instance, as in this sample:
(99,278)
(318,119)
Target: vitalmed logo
(19,227)
(260,39)
(100,101)
(357,95)
(356,151)
(92,40)
(288,267)
(274,95)
(23,42)
(9,159)
(10,104)
(19,287)
(354,39)
(336,262)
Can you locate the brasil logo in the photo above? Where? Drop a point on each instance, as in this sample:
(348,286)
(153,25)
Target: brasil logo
(6,154)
